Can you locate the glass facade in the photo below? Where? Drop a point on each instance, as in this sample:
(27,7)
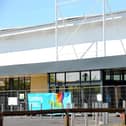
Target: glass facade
(52,78)
(107,75)
(72,77)
(114,81)
(124,76)
(60,78)
(2,84)
(85,76)
(16,83)
(95,75)
(78,83)
(85,85)
(116,75)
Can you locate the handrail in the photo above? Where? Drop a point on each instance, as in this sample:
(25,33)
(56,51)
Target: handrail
(73,110)
(65,111)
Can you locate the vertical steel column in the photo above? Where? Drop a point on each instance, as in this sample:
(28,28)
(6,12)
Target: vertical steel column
(125,118)
(56,31)
(103,26)
(1,119)
(67,120)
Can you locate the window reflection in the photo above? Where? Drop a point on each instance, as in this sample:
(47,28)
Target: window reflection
(52,77)
(17,83)
(107,75)
(60,78)
(72,77)
(116,76)
(85,76)
(2,84)
(125,76)
(95,75)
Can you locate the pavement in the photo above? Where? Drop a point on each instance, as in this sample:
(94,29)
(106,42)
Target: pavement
(58,121)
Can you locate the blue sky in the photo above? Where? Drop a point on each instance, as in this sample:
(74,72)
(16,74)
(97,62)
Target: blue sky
(18,13)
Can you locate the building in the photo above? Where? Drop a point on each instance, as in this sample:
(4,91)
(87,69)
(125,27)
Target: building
(72,58)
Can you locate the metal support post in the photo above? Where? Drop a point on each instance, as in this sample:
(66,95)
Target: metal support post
(124,106)
(67,120)
(105,115)
(72,119)
(85,115)
(56,30)
(1,119)
(103,26)
(96,115)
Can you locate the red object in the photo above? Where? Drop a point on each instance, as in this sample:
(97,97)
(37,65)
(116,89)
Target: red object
(122,116)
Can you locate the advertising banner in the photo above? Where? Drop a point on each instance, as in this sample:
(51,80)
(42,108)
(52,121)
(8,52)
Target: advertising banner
(45,101)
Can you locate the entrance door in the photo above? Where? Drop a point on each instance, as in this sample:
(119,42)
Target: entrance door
(89,94)
(114,95)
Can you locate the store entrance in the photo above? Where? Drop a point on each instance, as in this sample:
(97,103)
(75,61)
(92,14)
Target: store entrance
(114,87)
(114,95)
(89,94)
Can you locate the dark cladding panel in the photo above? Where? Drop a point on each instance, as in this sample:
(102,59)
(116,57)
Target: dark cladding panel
(62,66)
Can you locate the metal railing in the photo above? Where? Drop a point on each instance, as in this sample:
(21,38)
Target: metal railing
(69,115)
(93,96)
(91,105)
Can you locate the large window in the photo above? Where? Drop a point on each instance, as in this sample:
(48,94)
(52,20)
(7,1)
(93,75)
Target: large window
(52,78)
(116,75)
(124,76)
(72,77)
(95,75)
(85,76)
(17,83)
(60,78)
(2,84)
(107,75)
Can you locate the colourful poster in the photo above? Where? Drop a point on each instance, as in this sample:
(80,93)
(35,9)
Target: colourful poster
(45,101)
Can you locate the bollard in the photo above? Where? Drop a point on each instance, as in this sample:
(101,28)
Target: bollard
(96,115)
(124,106)
(123,115)
(100,113)
(125,118)
(93,114)
(72,119)
(1,119)
(86,120)
(67,121)
(85,115)
(105,115)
